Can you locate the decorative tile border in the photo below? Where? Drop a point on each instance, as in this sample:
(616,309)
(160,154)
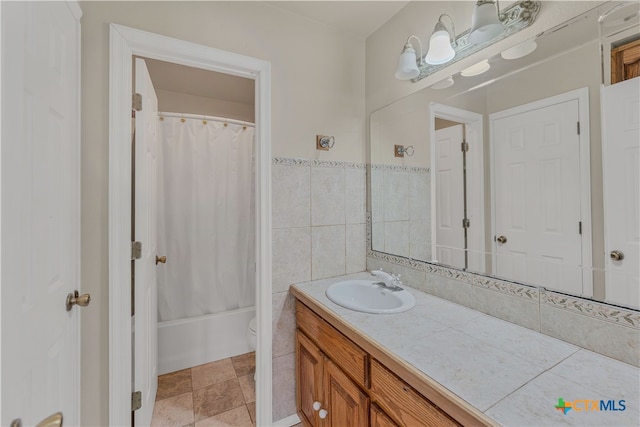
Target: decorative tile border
(594,309)
(398,168)
(292,161)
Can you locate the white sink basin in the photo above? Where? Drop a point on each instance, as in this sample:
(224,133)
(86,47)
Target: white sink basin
(363,295)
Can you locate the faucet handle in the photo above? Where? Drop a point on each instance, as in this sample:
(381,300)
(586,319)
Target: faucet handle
(396,279)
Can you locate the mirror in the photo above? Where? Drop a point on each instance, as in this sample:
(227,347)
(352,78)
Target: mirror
(476,191)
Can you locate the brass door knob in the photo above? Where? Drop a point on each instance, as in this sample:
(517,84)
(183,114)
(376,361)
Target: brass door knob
(501,239)
(616,255)
(76,299)
(162,259)
(54,420)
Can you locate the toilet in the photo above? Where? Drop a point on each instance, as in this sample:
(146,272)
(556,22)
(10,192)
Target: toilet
(251,334)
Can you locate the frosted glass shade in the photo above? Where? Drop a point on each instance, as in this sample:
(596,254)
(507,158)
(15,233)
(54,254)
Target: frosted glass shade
(440,49)
(407,66)
(485,24)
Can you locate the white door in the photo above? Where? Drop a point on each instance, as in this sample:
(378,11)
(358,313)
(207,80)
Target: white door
(145,327)
(621,164)
(449,241)
(537,197)
(40,211)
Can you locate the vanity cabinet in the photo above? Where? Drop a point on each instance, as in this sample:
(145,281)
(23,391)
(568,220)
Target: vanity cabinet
(340,384)
(326,396)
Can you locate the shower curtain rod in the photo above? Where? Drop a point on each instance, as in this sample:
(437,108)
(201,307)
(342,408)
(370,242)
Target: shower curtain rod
(201,117)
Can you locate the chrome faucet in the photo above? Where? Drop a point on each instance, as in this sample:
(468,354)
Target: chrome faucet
(389,282)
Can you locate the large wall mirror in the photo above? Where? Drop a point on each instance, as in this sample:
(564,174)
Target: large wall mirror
(500,171)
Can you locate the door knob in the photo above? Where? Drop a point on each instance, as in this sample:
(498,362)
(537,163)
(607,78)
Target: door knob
(76,299)
(54,420)
(501,239)
(162,259)
(616,255)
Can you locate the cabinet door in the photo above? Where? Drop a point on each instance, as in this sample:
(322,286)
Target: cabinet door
(309,366)
(346,404)
(380,419)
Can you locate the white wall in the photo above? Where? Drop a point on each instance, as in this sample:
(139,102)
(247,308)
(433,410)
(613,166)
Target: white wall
(317,87)
(176,102)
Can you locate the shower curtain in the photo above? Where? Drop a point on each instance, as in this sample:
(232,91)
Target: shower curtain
(206,217)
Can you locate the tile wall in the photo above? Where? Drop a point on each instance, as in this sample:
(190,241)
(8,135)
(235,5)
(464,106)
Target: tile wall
(602,328)
(400,213)
(319,231)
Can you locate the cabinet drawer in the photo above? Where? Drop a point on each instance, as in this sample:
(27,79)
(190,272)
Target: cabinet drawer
(348,356)
(403,403)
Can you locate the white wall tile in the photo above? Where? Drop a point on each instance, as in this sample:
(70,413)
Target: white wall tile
(327,196)
(517,310)
(291,257)
(284,386)
(355,196)
(396,238)
(356,247)
(284,323)
(396,196)
(291,196)
(328,251)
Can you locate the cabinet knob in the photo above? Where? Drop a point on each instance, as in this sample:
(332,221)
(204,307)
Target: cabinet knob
(323,414)
(317,405)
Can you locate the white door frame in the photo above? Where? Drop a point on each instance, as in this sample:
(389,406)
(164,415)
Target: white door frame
(582,96)
(125,42)
(475,168)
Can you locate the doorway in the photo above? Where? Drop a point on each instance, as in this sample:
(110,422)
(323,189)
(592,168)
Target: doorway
(125,43)
(457,196)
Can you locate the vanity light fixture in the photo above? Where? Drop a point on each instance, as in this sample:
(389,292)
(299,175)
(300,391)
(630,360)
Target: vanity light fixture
(476,69)
(485,22)
(408,63)
(445,48)
(441,43)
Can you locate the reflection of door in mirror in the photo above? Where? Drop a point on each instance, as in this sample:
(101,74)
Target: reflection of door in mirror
(450,243)
(537,189)
(621,164)
(458,187)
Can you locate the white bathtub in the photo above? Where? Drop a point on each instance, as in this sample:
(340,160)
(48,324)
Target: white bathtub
(190,342)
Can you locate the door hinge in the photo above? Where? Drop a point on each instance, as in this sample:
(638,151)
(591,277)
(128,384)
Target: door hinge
(136,400)
(579,227)
(578,127)
(466,223)
(136,250)
(464,146)
(136,104)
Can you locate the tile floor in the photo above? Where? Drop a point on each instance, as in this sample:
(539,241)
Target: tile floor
(220,393)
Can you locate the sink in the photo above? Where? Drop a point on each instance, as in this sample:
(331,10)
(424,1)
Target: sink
(365,296)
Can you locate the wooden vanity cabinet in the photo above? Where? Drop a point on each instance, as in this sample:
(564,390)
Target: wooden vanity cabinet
(352,388)
(339,401)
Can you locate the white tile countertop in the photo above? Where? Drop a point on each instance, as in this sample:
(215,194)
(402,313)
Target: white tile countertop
(512,374)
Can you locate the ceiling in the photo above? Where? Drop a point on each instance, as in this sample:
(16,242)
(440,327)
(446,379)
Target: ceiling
(360,18)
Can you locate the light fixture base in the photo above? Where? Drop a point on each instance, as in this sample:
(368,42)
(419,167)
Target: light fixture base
(515,17)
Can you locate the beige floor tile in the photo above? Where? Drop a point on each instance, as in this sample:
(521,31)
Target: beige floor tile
(172,384)
(173,411)
(238,417)
(252,411)
(248,386)
(212,373)
(217,398)
(244,364)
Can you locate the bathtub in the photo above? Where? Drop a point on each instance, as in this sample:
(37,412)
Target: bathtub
(190,342)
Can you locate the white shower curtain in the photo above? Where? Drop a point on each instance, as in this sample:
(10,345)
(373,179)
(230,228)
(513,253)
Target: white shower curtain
(206,217)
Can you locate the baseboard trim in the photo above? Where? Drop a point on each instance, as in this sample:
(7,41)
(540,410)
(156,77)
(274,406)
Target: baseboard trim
(289,421)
